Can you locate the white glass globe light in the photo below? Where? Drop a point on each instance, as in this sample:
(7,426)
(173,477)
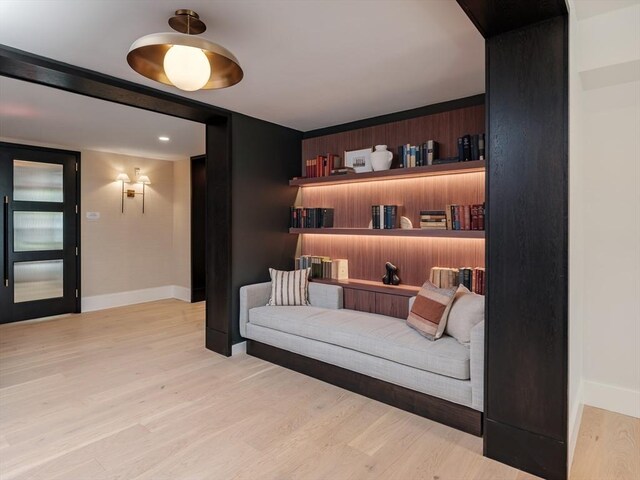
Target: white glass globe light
(187,67)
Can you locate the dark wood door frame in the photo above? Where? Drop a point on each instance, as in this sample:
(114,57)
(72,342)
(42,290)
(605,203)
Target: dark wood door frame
(526,351)
(198,228)
(44,71)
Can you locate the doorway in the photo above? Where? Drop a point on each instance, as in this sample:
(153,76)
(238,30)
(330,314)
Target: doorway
(40,243)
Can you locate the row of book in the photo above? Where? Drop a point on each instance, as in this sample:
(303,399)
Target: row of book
(454,217)
(447,277)
(417,155)
(384,216)
(301,217)
(471,147)
(324,267)
(322,165)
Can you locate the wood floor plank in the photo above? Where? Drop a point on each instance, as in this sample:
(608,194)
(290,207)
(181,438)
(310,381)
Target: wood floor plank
(132,394)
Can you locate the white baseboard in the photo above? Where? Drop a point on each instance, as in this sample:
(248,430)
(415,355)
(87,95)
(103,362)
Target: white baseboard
(238,348)
(121,299)
(182,293)
(610,397)
(575,419)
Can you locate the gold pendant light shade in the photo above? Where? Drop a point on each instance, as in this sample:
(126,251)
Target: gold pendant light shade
(185,61)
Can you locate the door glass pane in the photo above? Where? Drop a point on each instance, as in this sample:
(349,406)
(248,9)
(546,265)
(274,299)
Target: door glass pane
(34,231)
(37,182)
(38,280)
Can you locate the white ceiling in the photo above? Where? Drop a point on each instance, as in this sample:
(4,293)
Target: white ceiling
(36,114)
(307,64)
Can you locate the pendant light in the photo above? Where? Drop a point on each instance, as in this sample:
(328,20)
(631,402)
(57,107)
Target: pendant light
(183,59)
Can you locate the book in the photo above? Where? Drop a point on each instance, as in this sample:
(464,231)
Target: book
(481,147)
(460,150)
(390,216)
(447,212)
(412,156)
(466,148)
(342,171)
(474,147)
(340,269)
(401,156)
(442,161)
(432,151)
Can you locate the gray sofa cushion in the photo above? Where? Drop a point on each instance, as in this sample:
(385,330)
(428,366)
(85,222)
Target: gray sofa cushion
(452,389)
(384,337)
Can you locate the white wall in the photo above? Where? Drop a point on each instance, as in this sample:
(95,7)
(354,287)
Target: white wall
(604,257)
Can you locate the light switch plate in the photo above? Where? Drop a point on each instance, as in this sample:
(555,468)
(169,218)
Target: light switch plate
(93,216)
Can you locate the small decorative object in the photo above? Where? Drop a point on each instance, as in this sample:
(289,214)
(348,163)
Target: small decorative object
(391,277)
(405,223)
(381,158)
(359,160)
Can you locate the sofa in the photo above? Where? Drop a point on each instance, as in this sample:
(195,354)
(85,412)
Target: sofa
(377,346)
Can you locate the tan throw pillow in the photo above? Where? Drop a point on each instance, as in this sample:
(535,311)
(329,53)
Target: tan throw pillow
(289,288)
(466,312)
(430,309)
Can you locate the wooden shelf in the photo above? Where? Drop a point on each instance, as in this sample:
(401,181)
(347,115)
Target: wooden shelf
(396,173)
(371,286)
(392,232)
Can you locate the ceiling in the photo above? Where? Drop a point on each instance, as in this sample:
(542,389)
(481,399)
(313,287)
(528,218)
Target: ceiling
(590,8)
(307,64)
(42,115)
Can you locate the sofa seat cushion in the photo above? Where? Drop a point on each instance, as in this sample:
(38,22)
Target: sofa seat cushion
(378,335)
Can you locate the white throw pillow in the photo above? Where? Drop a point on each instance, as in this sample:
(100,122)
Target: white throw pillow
(466,312)
(289,288)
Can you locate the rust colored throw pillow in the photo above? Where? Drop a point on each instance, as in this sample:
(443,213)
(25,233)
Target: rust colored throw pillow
(430,310)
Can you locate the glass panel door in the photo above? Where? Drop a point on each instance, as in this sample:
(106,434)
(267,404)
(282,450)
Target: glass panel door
(40,232)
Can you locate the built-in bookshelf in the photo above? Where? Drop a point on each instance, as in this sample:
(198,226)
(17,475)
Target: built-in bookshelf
(414,251)
(396,173)
(392,232)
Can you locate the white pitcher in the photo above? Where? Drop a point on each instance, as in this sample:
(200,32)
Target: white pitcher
(381,158)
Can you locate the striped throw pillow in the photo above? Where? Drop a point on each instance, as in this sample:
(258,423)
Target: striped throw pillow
(289,288)
(430,310)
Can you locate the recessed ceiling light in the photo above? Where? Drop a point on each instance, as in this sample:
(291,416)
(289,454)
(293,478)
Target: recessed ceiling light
(164,139)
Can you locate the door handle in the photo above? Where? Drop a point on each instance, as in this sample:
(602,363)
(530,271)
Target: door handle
(5,240)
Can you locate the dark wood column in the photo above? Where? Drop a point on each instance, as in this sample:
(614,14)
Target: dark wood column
(527,232)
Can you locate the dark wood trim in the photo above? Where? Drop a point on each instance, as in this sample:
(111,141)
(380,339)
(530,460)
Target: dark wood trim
(536,454)
(496,17)
(26,66)
(442,411)
(396,173)
(355,284)
(217,341)
(198,227)
(219,236)
(391,232)
(527,248)
(397,116)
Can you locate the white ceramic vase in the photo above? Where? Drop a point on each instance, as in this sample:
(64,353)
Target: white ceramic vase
(381,158)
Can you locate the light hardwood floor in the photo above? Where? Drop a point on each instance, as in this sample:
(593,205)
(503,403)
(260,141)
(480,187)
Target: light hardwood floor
(131,393)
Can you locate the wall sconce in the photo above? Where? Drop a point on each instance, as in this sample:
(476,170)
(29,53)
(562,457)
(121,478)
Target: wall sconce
(131,193)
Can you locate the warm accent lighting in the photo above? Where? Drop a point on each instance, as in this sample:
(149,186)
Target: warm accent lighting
(142,179)
(187,67)
(164,139)
(182,59)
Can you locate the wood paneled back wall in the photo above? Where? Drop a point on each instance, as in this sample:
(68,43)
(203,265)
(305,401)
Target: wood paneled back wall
(444,128)
(352,202)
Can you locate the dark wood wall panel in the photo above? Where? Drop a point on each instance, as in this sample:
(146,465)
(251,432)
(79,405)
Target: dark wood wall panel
(413,256)
(352,202)
(526,363)
(443,127)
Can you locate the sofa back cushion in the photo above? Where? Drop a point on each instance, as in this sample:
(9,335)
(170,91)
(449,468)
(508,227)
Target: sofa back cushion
(430,310)
(289,288)
(466,312)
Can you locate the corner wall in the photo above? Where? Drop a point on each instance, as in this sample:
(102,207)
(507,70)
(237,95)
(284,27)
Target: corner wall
(605,214)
